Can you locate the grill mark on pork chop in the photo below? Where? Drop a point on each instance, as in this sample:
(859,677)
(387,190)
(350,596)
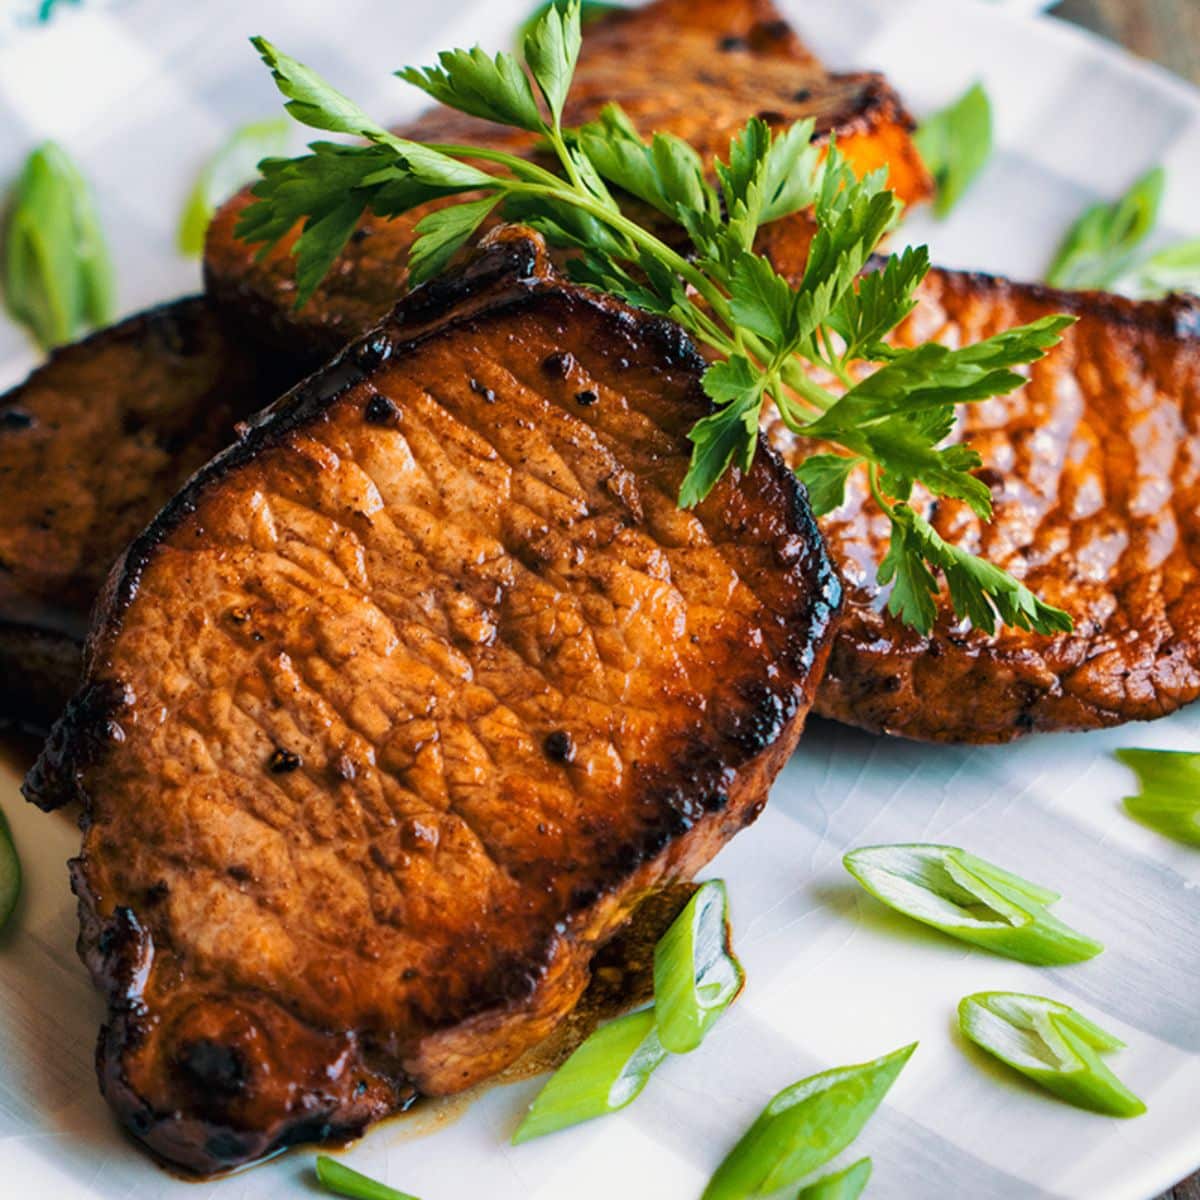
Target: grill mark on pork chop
(1095,473)
(109,429)
(289,956)
(698,70)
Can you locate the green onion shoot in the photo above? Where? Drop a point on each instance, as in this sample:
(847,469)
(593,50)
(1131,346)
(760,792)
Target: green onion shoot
(344,1181)
(842,1185)
(1051,1044)
(955,145)
(1169,799)
(696,978)
(1099,248)
(972,900)
(56,274)
(233,166)
(607,1072)
(804,1127)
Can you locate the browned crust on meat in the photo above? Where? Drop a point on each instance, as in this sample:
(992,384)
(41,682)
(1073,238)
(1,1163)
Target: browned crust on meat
(1093,469)
(92,444)
(697,70)
(210,1073)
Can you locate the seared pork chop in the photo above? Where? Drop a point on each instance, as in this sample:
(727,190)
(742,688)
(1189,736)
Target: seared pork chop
(92,445)
(394,713)
(1094,468)
(697,68)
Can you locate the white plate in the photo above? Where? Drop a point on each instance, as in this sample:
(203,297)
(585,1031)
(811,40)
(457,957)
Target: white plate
(140,92)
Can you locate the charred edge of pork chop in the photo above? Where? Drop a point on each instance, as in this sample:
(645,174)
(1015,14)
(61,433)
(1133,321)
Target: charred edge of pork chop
(696,70)
(92,444)
(209,1076)
(1093,472)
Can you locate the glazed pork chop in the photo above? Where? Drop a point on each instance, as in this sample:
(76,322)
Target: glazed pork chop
(92,445)
(696,68)
(395,712)
(1094,468)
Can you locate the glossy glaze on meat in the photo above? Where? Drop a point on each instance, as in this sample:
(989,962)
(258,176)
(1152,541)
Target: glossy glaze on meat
(1094,468)
(698,69)
(92,445)
(401,705)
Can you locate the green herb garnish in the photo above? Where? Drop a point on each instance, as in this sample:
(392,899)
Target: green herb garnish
(233,166)
(607,1072)
(1098,248)
(805,1126)
(1051,1044)
(57,275)
(344,1181)
(696,978)
(1169,800)
(955,144)
(10,872)
(843,1185)
(769,337)
(589,10)
(970,899)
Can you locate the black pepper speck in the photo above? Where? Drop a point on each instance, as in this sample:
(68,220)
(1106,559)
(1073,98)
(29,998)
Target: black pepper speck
(283,762)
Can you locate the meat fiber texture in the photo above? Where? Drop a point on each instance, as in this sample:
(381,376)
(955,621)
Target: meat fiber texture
(395,712)
(1094,468)
(92,445)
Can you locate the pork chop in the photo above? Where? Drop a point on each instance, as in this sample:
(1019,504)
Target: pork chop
(92,445)
(696,68)
(393,714)
(1094,468)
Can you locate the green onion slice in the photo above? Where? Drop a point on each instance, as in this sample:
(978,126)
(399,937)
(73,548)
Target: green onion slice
(233,166)
(57,276)
(1175,268)
(1169,801)
(1051,1044)
(344,1181)
(696,976)
(607,1072)
(10,872)
(804,1127)
(972,900)
(843,1185)
(955,144)
(1098,248)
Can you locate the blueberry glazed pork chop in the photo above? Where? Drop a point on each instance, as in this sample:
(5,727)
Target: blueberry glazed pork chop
(391,717)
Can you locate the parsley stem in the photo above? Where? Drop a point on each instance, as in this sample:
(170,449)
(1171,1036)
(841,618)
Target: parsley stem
(522,167)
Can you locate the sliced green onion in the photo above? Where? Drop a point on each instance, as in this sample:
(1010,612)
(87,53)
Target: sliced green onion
(696,976)
(1051,1044)
(346,1182)
(955,144)
(606,1073)
(1169,801)
(1175,268)
(10,872)
(233,166)
(1098,248)
(972,900)
(805,1126)
(57,275)
(844,1185)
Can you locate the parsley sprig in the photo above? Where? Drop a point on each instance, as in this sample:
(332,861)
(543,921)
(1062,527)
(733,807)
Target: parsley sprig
(803,345)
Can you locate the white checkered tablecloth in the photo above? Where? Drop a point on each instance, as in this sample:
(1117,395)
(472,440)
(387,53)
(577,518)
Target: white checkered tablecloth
(140,92)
